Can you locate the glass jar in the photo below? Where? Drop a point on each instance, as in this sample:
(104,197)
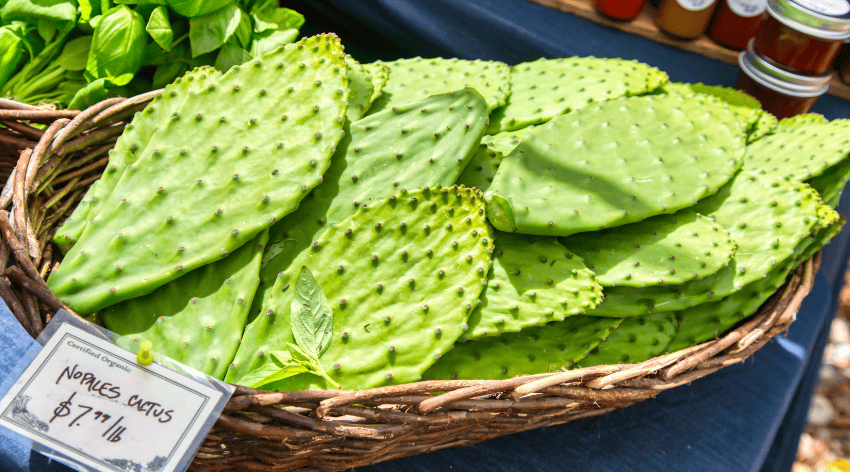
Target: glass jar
(780,92)
(736,21)
(804,35)
(623,10)
(685,19)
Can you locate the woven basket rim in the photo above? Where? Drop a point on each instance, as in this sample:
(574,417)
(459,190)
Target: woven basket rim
(317,429)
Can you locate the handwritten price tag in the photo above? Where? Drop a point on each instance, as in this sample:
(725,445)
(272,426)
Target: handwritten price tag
(89,400)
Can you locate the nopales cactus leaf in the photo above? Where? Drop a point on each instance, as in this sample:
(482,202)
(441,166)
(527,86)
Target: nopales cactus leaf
(534,281)
(229,155)
(401,275)
(546,88)
(548,348)
(197,319)
(415,145)
(616,163)
(416,78)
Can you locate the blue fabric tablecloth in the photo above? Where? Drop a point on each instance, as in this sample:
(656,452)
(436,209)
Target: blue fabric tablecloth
(747,417)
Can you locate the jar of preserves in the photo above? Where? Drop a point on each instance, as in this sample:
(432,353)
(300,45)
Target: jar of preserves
(780,92)
(804,35)
(736,21)
(623,10)
(685,19)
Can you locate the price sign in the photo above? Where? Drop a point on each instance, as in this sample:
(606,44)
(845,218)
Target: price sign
(89,400)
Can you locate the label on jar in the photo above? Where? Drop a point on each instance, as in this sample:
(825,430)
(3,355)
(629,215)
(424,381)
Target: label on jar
(827,7)
(747,8)
(695,5)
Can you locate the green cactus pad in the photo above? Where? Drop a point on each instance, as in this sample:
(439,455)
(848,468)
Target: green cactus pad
(362,89)
(802,152)
(616,163)
(636,340)
(746,108)
(546,88)
(534,280)
(223,169)
(481,169)
(765,125)
(831,183)
(416,145)
(196,319)
(417,78)
(402,277)
(550,348)
(135,137)
(710,320)
(379,74)
(766,216)
(662,250)
(794,122)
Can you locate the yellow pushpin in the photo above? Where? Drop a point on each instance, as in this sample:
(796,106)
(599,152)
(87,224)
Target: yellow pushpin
(144,357)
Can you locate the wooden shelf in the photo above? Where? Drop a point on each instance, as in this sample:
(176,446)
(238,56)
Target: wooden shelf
(644,26)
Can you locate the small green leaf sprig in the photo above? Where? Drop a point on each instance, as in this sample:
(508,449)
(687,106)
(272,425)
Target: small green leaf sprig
(311,318)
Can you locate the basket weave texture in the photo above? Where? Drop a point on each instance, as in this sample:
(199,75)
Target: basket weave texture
(48,171)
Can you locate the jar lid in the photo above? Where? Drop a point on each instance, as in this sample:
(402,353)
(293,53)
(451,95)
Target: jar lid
(780,80)
(826,19)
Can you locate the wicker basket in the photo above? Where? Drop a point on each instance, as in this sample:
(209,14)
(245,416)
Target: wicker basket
(325,430)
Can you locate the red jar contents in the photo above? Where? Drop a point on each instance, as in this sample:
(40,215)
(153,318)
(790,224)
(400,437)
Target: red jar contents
(804,35)
(736,21)
(685,19)
(624,10)
(780,92)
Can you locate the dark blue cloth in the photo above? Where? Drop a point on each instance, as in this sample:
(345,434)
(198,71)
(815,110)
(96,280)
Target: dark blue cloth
(728,421)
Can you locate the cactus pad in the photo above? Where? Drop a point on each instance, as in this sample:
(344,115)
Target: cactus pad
(231,150)
(417,78)
(534,281)
(831,183)
(636,340)
(536,350)
(709,320)
(135,136)
(802,152)
(793,122)
(481,169)
(546,88)
(616,163)
(766,216)
(662,250)
(416,145)
(196,319)
(362,89)
(379,74)
(401,276)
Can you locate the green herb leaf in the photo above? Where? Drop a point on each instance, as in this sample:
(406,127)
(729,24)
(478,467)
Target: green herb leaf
(209,32)
(307,359)
(75,54)
(268,41)
(118,45)
(271,372)
(11,53)
(51,10)
(168,72)
(46,29)
(231,55)
(311,315)
(160,28)
(195,8)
